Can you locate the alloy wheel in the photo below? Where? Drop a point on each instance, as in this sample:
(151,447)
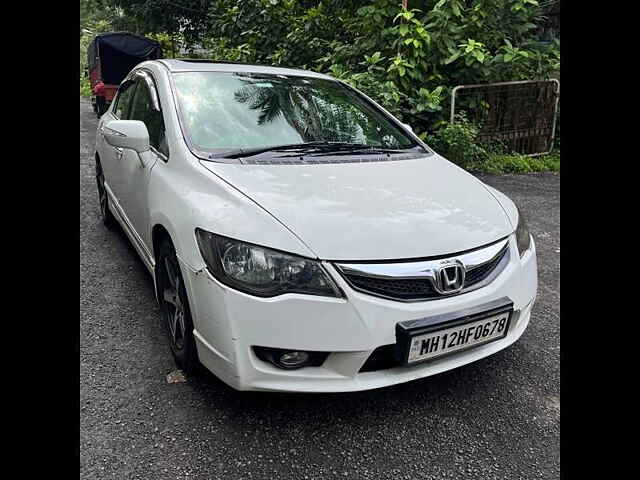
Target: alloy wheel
(174,302)
(102,192)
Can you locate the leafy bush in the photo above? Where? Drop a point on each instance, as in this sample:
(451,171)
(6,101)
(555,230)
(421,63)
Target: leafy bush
(85,88)
(458,142)
(514,163)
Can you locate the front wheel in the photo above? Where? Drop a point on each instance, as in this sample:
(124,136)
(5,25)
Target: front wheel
(174,306)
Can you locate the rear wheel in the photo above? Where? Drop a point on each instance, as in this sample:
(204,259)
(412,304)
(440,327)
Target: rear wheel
(107,217)
(174,306)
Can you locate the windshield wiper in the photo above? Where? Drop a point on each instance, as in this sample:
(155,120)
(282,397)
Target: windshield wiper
(247,152)
(320,146)
(360,150)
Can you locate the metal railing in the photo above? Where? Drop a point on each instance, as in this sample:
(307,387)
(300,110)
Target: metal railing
(521,115)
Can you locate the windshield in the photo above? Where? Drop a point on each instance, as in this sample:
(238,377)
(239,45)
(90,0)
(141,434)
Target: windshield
(222,111)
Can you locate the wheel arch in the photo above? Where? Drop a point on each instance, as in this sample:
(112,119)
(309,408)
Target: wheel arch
(162,228)
(158,234)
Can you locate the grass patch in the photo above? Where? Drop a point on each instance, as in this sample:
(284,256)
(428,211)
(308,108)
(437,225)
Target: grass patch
(514,163)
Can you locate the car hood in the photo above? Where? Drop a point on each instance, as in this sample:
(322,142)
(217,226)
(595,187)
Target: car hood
(376,210)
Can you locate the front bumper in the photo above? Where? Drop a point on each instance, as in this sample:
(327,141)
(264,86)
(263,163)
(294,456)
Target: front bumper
(228,323)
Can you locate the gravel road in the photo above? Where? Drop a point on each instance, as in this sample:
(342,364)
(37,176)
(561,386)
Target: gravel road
(498,418)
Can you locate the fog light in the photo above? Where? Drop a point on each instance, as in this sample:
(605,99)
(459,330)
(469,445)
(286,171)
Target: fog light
(293,359)
(290,359)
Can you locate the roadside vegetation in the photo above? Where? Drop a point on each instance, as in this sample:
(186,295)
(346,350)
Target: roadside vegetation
(459,143)
(514,163)
(408,59)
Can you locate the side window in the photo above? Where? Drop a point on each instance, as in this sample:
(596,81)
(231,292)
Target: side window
(123,102)
(142,109)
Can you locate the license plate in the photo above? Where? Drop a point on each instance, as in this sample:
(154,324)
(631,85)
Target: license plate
(458,337)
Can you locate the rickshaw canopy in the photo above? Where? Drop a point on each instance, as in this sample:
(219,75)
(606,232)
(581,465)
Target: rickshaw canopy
(117,53)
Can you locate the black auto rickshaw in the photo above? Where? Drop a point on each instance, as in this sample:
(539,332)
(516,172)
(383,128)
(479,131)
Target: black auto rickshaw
(111,58)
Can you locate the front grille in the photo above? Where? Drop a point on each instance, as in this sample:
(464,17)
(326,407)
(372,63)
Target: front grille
(395,288)
(410,289)
(478,274)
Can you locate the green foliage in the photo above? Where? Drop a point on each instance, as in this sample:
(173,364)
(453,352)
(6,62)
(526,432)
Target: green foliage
(458,142)
(513,163)
(106,15)
(85,40)
(187,18)
(169,44)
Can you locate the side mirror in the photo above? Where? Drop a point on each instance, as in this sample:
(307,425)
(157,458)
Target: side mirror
(132,134)
(408,127)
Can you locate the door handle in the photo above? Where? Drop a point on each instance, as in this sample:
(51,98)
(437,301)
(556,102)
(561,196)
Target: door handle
(119,152)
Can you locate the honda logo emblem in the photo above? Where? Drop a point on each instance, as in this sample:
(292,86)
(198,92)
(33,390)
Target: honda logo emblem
(450,278)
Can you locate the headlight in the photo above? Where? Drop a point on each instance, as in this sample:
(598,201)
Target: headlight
(262,271)
(523,238)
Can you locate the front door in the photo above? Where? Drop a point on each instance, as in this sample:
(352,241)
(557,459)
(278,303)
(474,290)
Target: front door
(136,169)
(110,156)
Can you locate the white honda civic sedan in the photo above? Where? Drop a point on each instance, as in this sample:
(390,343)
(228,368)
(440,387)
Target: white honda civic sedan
(300,237)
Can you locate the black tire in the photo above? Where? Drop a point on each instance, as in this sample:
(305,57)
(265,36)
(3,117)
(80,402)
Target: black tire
(174,305)
(101,106)
(108,219)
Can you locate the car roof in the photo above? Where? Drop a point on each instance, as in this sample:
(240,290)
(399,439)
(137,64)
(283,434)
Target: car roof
(199,65)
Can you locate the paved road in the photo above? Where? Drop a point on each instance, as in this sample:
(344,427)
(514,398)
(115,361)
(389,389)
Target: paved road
(498,418)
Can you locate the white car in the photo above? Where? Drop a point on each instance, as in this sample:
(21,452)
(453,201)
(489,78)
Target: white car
(300,237)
